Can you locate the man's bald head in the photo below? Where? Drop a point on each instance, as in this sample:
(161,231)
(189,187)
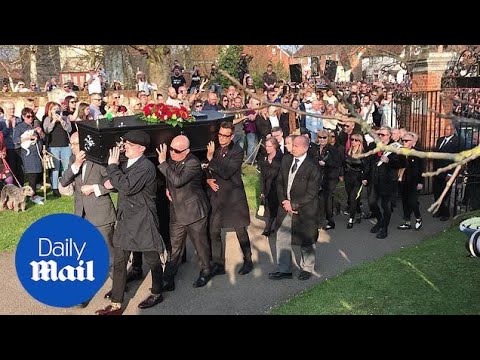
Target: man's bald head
(180,142)
(179,148)
(74,143)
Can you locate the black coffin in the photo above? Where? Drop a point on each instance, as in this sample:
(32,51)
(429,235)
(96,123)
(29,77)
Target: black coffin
(98,137)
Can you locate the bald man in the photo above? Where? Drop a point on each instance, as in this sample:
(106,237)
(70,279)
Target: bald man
(188,208)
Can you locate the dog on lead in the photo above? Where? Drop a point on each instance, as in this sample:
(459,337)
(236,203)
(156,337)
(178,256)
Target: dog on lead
(13,197)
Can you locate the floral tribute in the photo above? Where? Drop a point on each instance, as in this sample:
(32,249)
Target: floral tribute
(167,114)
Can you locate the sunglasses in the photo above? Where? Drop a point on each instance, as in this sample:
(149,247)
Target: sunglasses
(382,134)
(176,151)
(355,140)
(323,137)
(28,116)
(224,136)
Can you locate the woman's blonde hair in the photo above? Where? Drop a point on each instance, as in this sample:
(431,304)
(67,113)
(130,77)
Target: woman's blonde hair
(359,149)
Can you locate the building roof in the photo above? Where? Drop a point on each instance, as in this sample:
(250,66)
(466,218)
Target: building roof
(347,50)
(318,50)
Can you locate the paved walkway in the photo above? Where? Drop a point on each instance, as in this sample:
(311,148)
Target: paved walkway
(232,293)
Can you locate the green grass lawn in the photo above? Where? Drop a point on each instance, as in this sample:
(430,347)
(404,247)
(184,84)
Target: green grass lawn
(434,277)
(13,225)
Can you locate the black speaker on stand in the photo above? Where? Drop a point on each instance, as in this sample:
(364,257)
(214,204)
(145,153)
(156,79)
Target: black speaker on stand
(296,73)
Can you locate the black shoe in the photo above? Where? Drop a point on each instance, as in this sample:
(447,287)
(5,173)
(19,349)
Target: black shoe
(217,269)
(329,226)
(279,275)
(444,218)
(151,301)
(56,193)
(358,221)
(418,224)
(246,268)
(405,226)
(304,275)
(266,233)
(134,274)
(108,295)
(436,215)
(369,216)
(168,286)
(350,224)
(376,228)
(202,280)
(382,234)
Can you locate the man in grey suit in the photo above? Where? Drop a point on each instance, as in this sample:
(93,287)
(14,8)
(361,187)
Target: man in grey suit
(92,199)
(188,210)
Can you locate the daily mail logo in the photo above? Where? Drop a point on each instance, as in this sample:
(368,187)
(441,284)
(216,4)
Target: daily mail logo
(50,271)
(62,260)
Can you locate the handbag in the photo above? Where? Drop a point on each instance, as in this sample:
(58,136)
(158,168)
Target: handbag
(261,208)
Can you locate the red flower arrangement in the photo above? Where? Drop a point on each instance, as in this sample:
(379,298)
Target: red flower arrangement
(167,114)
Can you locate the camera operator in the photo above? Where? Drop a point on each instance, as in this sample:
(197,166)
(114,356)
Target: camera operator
(243,66)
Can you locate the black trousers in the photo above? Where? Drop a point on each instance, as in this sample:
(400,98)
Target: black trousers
(218,247)
(120,260)
(353,182)
(326,201)
(385,198)
(409,201)
(438,186)
(14,159)
(197,232)
(32,180)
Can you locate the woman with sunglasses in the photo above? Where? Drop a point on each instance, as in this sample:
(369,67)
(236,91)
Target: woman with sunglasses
(31,136)
(410,181)
(355,176)
(330,161)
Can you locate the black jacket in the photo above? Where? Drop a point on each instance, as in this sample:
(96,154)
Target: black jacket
(184,182)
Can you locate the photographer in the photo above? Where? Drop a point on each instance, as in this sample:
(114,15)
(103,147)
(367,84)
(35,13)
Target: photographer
(58,128)
(243,66)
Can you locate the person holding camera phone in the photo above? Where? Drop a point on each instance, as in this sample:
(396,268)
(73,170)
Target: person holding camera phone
(58,129)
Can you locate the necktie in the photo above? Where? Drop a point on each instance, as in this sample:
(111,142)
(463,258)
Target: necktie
(443,143)
(294,167)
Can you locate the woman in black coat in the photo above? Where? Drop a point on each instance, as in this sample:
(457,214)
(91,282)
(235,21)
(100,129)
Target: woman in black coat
(411,182)
(355,176)
(330,161)
(269,168)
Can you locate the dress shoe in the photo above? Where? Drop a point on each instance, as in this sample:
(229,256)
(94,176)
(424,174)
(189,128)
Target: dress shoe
(376,228)
(217,269)
(304,275)
(108,295)
(444,218)
(279,275)
(418,224)
(134,274)
(83,305)
(202,280)
(168,286)
(266,233)
(382,234)
(329,226)
(350,223)
(246,268)
(151,301)
(109,310)
(56,193)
